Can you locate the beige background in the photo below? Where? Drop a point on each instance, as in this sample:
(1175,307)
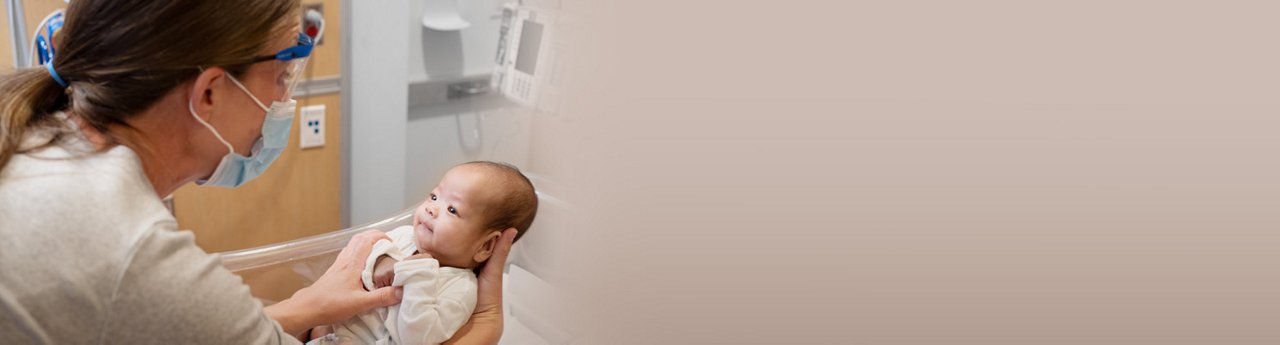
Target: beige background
(925,172)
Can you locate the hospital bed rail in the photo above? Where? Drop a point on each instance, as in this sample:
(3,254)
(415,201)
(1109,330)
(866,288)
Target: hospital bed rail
(307,247)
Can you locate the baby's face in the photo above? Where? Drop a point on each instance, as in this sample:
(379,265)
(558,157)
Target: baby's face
(450,224)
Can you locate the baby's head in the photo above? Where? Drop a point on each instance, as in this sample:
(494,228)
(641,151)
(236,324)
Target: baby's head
(461,221)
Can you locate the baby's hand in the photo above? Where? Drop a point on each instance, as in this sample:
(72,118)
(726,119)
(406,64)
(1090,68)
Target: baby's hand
(384,272)
(320,331)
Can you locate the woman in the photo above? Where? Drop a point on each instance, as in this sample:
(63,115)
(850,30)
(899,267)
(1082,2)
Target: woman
(143,97)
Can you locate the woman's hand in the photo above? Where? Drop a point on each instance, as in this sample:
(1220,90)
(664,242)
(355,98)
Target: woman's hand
(485,326)
(338,294)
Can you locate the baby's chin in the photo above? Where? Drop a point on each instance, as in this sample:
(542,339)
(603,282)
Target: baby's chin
(422,238)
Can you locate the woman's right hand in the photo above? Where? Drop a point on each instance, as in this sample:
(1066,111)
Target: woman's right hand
(338,294)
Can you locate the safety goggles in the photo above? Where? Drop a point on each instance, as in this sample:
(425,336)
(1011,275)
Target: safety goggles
(295,59)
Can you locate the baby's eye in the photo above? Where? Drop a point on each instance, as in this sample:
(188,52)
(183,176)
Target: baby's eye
(433,196)
(453,210)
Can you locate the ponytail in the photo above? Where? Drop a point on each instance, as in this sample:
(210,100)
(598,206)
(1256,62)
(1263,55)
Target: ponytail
(28,99)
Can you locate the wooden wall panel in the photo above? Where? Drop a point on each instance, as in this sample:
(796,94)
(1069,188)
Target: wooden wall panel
(6,51)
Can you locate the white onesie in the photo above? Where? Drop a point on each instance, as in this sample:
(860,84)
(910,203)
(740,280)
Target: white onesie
(437,300)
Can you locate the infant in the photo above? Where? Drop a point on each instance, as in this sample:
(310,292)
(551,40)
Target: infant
(453,234)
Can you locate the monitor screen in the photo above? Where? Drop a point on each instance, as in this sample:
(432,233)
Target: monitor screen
(530,43)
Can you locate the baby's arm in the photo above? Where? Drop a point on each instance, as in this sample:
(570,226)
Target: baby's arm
(434,306)
(379,269)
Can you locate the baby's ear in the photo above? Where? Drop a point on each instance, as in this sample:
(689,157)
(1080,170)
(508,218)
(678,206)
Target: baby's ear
(490,243)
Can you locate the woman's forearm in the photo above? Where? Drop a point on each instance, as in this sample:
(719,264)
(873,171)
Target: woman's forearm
(480,330)
(293,319)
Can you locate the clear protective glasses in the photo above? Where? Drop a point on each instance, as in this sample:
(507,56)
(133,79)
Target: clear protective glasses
(295,60)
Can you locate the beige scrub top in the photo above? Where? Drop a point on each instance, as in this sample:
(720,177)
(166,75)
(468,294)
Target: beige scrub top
(89,255)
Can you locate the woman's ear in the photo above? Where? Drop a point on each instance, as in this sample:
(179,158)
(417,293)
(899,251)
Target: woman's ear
(205,91)
(489,245)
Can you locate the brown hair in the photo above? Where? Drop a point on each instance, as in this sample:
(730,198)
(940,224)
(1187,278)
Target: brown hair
(517,207)
(120,57)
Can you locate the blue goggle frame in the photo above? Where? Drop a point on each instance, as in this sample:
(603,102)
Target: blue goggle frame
(302,50)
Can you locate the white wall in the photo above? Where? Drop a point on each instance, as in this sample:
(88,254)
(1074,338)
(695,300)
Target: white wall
(451,55)
(443,135)
(375,107)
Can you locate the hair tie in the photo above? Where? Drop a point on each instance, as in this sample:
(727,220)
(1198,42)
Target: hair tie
(54,74)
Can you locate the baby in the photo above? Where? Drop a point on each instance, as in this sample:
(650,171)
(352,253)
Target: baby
(454,232)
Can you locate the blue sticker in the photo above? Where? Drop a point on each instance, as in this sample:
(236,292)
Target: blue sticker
(42,50)
(54,26)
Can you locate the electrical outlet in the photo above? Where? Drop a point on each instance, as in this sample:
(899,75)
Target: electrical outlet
(312,123)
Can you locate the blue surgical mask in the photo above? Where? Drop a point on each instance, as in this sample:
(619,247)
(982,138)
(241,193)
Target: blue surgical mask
(236,170)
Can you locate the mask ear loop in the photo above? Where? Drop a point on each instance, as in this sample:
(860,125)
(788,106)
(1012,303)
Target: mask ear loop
(246,91)
(191,107)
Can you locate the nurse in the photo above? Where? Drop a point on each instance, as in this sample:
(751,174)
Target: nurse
(143,97)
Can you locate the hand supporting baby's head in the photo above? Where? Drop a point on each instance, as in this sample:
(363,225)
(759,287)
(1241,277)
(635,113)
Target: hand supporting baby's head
(462,219)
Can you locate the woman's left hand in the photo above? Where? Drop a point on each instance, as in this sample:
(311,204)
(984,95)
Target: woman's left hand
(485,325)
